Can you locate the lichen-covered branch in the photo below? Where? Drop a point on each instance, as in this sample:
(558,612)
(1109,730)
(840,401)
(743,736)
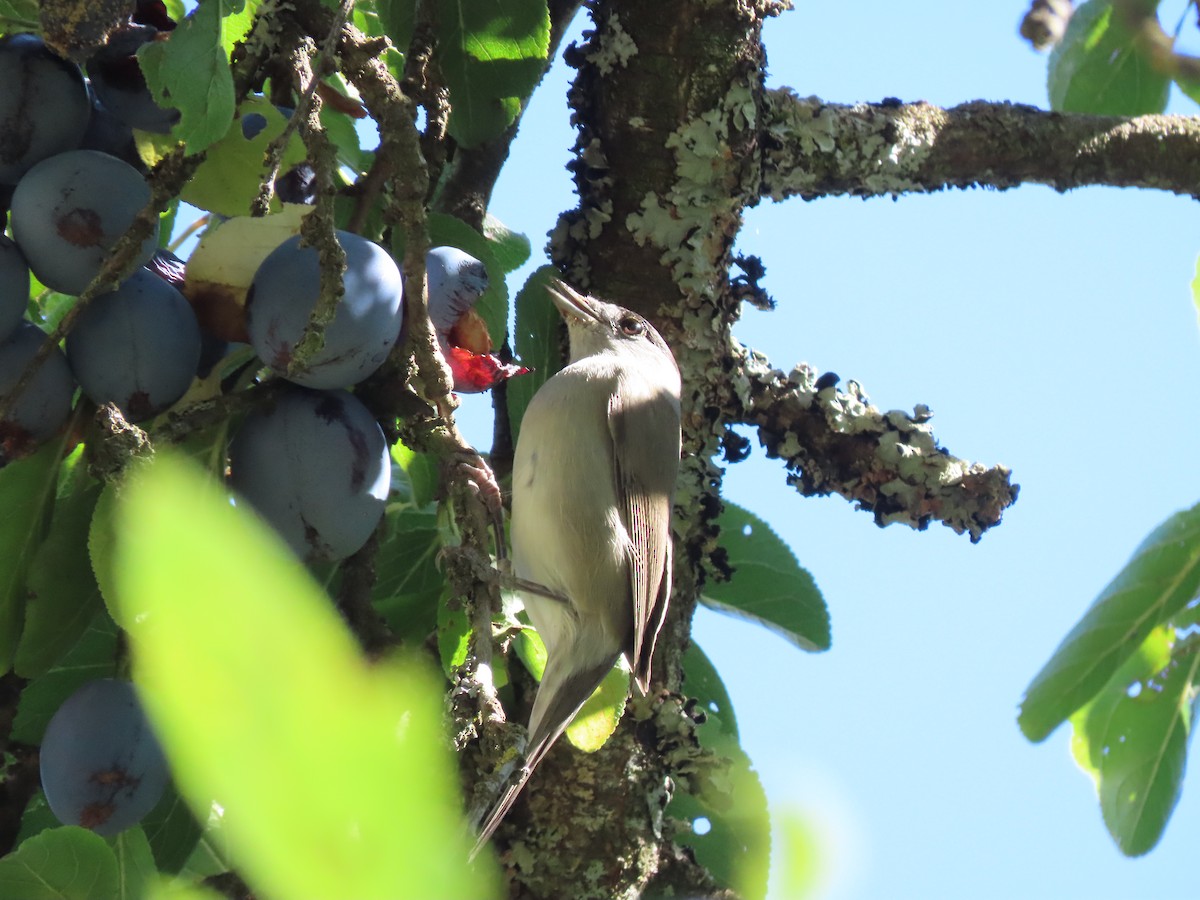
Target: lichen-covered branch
(835,442)
(817,149)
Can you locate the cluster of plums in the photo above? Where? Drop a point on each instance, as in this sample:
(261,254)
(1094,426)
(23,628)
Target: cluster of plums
(311,459)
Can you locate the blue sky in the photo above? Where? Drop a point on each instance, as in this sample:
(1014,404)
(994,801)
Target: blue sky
(1051,333)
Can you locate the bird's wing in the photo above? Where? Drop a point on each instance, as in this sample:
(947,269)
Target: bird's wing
(646,467)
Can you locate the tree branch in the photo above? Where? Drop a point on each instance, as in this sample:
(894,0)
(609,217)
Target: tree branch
(817,149)
(835,442)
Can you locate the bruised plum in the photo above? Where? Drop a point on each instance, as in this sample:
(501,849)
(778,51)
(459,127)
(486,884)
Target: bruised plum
(315,465)
(69,210)
(101,766)
(42,408)
(137,346)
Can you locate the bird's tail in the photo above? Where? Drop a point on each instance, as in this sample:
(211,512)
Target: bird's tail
(560,696)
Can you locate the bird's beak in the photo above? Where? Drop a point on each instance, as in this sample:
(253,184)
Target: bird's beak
(572,305)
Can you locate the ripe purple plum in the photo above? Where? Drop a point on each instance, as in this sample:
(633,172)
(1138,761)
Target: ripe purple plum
(315,465)
(101,765)
(367,320)
(44,105)
(43,407)
(137,346)
(69,210)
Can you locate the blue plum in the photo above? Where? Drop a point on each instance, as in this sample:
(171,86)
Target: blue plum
(315,465)
(44,105)
(367,321)
(69,210)
(43,407)
(137,346)
(101,765)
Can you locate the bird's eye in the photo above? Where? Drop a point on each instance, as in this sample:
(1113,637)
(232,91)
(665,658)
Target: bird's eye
(632,326)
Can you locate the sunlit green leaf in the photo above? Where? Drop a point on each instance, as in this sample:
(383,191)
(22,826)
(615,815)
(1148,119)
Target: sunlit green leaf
(1096,68)
(68,863)
(239,656)
(228,179)
(1162,577)
(768,585)
(492,55)
(190,72)
(1132,738)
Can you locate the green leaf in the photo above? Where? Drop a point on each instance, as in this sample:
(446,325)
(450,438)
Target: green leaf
(204,586)
(454,634)
(18,15)
(190,72)
(492,55)
(447,230)
(1097,69)
(768,585)
(172,830)
(62,596)
(36,818)
(731,803)
(512,248)
(1132,738)
(1162,577)
(408,582)
(420,475)
(28,488)
(703,683)
(233,168)
(68,863)
(93,656)
(537,341)
(135,864)
(398,17)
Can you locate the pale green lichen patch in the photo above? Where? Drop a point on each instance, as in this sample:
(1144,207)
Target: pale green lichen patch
(816,147)
(708,187)
(616,51)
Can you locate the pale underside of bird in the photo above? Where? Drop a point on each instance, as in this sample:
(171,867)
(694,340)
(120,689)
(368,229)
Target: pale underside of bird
(593,477)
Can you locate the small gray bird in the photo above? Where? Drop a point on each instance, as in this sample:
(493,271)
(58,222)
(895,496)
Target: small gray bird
(593,478)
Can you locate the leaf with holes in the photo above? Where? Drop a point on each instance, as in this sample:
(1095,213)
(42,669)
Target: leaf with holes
(1132,738)
(1162,577)
(768,585)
